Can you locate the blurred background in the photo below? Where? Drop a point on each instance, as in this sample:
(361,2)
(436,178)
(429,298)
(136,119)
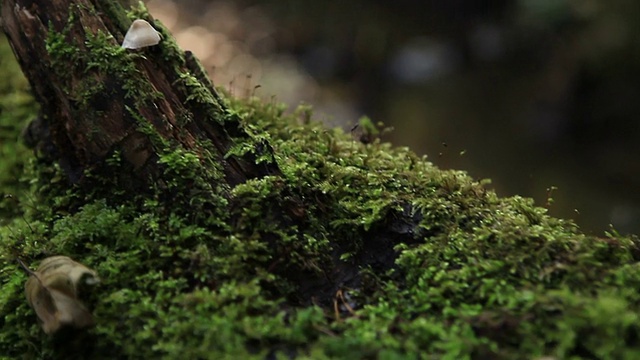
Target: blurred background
(533,94)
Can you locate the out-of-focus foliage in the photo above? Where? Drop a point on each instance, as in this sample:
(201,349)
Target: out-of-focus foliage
(17,107)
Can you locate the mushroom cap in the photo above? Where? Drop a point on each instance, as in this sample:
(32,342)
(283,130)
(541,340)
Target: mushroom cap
(140,34)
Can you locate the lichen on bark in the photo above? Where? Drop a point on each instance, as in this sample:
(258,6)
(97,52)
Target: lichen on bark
(349,250)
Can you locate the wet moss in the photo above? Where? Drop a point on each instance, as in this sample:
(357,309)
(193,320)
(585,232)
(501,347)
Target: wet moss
(357,250)
(17,108)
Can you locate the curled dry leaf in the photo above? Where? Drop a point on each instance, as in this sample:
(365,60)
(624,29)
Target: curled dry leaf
(52,291)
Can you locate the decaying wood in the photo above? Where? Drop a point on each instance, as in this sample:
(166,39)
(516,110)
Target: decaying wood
(83,132)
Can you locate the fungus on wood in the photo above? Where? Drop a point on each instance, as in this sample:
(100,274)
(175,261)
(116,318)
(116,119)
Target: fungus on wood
(98,98)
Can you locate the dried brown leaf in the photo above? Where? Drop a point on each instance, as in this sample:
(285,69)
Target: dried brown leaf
(52,291)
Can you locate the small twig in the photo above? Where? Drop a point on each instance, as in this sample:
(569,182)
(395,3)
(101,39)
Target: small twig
(29,271)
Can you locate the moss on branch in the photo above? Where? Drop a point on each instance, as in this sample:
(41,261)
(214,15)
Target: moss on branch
(354,251)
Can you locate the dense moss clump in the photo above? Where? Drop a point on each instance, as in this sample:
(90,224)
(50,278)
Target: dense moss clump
(17,107)
(357,250)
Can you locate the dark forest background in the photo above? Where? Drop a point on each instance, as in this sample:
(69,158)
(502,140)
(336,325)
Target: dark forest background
(534,94)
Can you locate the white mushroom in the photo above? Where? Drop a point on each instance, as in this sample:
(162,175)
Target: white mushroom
(140,34)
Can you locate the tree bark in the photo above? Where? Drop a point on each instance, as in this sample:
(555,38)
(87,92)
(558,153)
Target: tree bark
(96,100)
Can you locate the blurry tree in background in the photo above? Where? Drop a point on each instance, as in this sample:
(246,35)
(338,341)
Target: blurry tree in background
(533,94)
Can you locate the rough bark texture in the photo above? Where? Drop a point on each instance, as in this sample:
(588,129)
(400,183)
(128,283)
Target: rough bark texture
(93,101)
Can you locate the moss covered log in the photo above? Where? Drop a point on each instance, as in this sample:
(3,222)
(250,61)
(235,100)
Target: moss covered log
(98,98)
(341,250)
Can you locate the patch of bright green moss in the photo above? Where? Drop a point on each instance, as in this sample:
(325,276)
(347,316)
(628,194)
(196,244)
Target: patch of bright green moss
(17,108)
(353,251)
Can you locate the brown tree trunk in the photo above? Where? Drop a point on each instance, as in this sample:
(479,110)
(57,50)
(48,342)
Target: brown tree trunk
(98,98)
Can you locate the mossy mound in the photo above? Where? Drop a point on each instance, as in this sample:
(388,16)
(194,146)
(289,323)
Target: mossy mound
(356,251)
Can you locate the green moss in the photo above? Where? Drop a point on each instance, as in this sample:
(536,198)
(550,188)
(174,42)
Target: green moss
(198,92)
(60,52)
(116,12)
(354,251)
(17,108)
(139,11)
(172,54)
(147,129)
